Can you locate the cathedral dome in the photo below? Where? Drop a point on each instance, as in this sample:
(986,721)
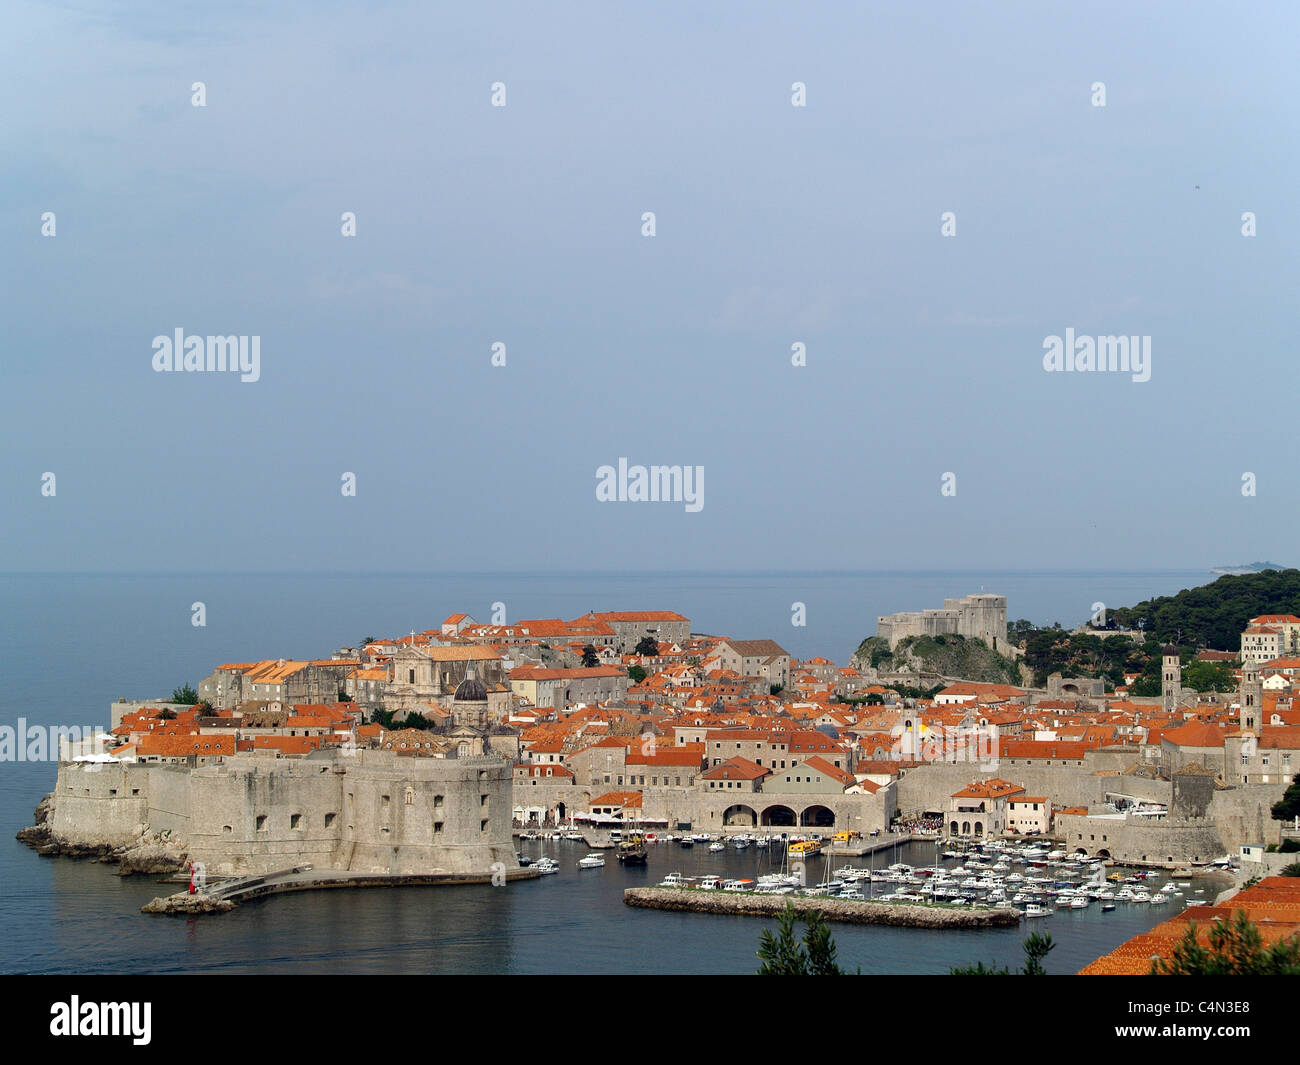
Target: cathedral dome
(470,690)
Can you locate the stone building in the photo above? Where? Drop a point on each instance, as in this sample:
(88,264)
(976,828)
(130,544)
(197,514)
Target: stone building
(666,626)
(756,658)
(423,673)
(982,617)
(981,808)
(563,687)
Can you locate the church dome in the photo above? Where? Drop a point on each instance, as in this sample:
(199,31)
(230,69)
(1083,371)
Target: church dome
(470,690)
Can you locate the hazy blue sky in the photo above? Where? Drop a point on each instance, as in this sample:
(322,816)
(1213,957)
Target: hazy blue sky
(522,224)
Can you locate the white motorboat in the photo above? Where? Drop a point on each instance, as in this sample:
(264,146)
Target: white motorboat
(716,846)
(546,866)
(673,880)
(592,861)
(1034,910)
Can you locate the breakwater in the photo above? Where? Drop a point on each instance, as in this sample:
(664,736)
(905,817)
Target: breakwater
(226,896)
(849,911)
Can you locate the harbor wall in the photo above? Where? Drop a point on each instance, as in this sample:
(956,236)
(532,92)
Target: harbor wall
(705,811)
(929,787)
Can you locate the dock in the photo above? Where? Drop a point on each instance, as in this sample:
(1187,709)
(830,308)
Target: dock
(223,897)
(848,911)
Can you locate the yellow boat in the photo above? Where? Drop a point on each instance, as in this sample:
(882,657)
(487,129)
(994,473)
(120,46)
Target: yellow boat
(804,848)
(1117,877)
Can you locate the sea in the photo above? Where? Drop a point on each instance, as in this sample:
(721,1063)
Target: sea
(74,643)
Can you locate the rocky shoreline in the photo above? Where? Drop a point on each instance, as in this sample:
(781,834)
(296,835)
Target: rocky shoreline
(151,854)
(848,911)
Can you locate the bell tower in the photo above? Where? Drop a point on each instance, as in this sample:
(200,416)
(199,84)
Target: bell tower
(1171,678)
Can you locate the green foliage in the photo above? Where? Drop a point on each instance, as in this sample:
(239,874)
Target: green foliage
(1291,870)
(1214,614)
(775,689)
(167,714)
(1289,846)
(635,674)
(589,657)
(186,695)
(906,691)
(1288,806)
(1036,947)
(1209,676)
(1235,948)
(956,656)
(783,955)
(647,646)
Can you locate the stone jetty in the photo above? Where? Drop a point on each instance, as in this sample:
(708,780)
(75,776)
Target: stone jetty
(849,911)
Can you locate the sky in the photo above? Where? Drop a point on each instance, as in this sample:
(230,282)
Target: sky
(522,225)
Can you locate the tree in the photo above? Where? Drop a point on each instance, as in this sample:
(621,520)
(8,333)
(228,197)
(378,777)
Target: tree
(1209,676)
(647,646)
(635,674)
(1288,806)
(186,695)
(1235,948)
(783,955)
(1036,948)
(1291,870)
(589,657)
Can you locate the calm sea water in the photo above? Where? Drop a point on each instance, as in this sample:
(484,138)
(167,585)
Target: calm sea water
(72,644)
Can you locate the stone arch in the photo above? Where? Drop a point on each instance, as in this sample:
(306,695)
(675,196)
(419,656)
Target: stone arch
(779,816)
(1103,853)
(979,828)
(739,814)
(817,816)
(559,811)
(965,828)
(953,828)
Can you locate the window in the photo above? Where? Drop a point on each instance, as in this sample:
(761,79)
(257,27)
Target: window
(261,822)
(437,827)
(385,801)
(482,825)
(437,802)
(295,820)
(329,820)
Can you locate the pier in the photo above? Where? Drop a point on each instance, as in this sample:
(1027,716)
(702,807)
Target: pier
(223,897)
(848,911)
